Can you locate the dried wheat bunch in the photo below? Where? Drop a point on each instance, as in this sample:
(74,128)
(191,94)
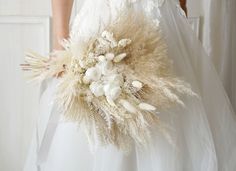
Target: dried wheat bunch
(115,83)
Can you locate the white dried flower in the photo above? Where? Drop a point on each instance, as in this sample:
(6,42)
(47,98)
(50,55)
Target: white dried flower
(147,107)
(103,45)
(111,91)
(105,67)
(106,34)
(116,79)
(119,57)
(115,93)
(103,42)
(110,56)
(109,36)
(97,89)
(128,106)
(106,89)
(93,74)
(137,84)
(124,42)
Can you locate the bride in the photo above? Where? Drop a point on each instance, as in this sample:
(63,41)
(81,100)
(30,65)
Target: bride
(202,135)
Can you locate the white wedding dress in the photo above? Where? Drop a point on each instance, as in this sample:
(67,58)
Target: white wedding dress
(203,134)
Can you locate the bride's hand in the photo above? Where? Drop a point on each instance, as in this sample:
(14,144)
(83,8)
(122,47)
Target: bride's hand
(61,12)
(59,73)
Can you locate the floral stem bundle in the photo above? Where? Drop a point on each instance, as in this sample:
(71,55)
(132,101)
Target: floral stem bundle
(115,83)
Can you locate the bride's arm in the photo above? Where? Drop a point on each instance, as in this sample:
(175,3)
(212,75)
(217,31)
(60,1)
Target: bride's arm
(183,4)
(61,12)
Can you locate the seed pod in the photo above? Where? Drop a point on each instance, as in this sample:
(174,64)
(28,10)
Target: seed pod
(147,107)
(128,106)
(119,57)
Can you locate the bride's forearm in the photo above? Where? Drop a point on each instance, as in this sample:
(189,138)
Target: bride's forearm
(61,12)
(183,4)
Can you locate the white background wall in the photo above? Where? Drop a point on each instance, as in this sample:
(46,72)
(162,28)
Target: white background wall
(24,24)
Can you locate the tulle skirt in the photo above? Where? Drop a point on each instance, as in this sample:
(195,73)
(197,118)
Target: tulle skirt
(202,135)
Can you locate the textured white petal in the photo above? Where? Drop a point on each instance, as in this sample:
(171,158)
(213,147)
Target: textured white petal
(93,74)
(116,79)
(97,89)
(110,56)
(109,36)
(128,106)
(137,84)
(107,88)
(124,42)
(105,67)
(147,107)
(115,93)
(120,57)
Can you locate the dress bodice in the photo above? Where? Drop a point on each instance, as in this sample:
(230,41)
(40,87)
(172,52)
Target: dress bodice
(94,15)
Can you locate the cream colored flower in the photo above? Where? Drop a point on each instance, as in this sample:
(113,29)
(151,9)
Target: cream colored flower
(93,74)
(105,67)
(128,106)
(119,57)
(110,56)
(124,42)
(137,84)
(97,89)
(147,107)
(116,79)
(115,92)
(109,36)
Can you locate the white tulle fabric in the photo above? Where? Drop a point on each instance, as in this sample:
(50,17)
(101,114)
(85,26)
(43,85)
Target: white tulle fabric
(203,133)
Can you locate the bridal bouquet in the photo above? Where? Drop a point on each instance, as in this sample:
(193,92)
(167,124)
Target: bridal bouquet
(116,82)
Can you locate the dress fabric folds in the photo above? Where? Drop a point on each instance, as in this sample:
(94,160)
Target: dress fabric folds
(202,134)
